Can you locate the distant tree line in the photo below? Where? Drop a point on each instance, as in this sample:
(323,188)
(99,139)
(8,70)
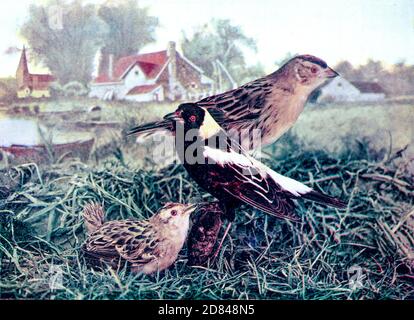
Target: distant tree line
(397,79)
(68,47)
(66,35)
(221,43)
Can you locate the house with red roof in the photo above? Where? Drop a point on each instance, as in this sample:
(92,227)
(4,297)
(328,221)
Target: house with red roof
(155,76)
(29,84)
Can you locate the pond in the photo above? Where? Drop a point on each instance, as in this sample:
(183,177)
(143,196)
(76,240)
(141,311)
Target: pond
(19,131)
(29,132)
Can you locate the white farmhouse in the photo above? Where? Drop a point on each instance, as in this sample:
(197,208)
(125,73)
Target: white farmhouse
(342,90)
(154,76)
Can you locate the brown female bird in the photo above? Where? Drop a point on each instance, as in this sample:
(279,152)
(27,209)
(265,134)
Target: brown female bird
(145,246)
(271,104)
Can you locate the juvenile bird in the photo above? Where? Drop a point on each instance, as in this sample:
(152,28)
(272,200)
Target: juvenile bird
(222,168)
(145,246)
(271,104)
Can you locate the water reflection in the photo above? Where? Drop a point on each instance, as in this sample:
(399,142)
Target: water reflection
(19,131)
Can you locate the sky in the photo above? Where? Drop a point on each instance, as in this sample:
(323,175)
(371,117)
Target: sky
(334,30)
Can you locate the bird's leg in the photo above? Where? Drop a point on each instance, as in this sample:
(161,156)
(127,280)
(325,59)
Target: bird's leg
(222,241)
(228,209)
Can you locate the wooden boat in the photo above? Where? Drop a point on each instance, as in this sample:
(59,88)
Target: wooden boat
(96,124)
(42,153)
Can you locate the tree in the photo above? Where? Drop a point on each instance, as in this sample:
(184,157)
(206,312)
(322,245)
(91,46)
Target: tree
(400,79)
(249,73)
(345,69)
(285,59)
(397,80)
(130,27)
(372,70)
(66,47)
(222,41)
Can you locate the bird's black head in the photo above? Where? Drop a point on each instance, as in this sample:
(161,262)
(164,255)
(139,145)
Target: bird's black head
(197,118)
(190,114)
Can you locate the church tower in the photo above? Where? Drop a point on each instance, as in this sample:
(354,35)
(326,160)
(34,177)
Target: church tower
(22,72)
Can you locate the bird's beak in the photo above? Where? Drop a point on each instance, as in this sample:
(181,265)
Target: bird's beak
(330,73)
(131,132)
(173,116)
(190,208)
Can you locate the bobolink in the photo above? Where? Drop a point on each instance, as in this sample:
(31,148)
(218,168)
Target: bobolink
(145,246)
(222,168)
(271,104)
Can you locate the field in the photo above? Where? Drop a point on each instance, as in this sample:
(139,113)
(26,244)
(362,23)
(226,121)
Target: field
(363,252)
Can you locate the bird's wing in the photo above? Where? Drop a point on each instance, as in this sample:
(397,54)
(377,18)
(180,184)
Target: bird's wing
(133,241)
(252,182)
(238,105)
(235,106)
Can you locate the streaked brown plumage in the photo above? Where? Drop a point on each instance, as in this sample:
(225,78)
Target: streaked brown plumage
(271,104)
(145,246)
(94,217)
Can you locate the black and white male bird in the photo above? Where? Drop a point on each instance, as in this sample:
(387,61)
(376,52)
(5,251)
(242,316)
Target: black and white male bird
(230,174)
(271,104)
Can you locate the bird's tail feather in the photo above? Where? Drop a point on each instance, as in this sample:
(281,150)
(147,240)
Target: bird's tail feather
(298,189)
(324,199)
(149,128)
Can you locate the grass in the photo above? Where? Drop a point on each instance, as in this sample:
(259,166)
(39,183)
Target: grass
(264,258)
(382,124)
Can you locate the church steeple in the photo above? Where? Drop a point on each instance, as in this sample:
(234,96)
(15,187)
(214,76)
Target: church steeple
(22,72)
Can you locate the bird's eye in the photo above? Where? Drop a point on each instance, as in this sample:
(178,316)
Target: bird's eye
(174,213)
(314,69)
(192,118)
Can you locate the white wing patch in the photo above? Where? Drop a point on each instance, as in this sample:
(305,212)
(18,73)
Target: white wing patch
(222,157)
(233,158)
